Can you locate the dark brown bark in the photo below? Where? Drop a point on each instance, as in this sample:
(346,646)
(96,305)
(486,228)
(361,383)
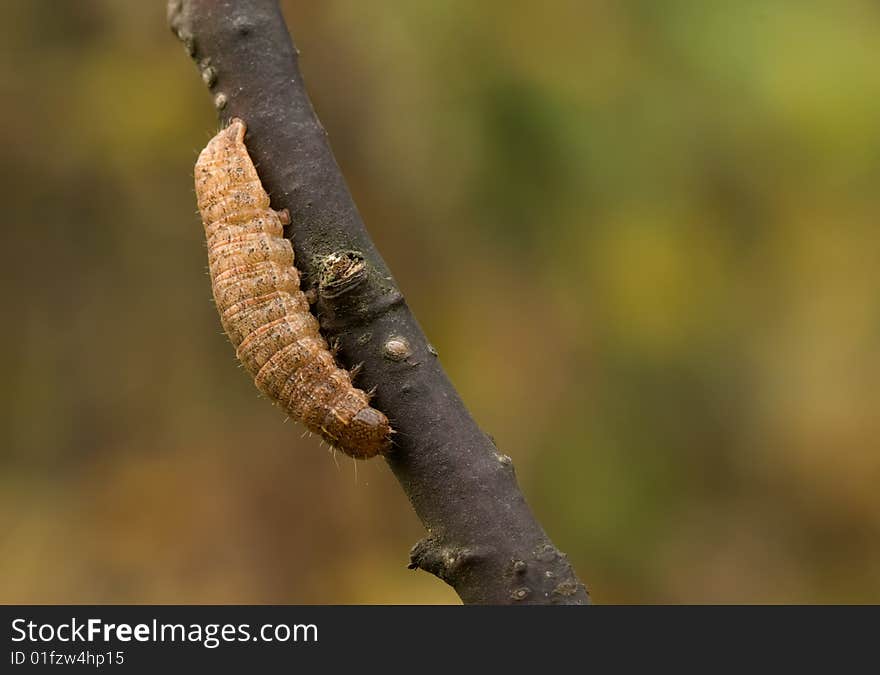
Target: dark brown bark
(482,537)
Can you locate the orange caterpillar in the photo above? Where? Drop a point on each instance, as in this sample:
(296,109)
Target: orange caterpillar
(263,310)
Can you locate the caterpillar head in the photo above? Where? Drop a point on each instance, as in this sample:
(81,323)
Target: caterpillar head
(367,434)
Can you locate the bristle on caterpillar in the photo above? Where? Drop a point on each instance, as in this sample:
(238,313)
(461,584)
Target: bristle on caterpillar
(263,311)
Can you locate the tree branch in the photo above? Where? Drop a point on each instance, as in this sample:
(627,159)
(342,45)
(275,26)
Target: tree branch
(482,537)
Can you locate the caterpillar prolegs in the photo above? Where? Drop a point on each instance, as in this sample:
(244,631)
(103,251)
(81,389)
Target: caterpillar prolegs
(264,312)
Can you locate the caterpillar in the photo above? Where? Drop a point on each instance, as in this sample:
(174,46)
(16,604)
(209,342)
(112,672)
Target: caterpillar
(264,312)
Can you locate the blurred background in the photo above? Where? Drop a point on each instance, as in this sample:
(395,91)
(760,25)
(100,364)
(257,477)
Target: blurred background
(642,235)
